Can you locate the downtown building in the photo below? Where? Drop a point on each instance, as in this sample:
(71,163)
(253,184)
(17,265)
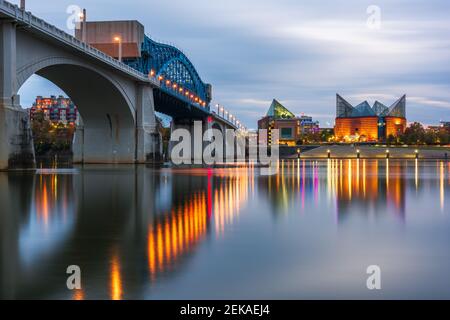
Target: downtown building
(444,126)
(291,128)
(364,123)
(55,109)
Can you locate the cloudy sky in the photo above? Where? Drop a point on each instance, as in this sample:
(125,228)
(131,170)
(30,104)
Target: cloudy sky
(300,52)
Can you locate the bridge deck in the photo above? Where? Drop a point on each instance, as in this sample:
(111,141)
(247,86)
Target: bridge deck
(43,28)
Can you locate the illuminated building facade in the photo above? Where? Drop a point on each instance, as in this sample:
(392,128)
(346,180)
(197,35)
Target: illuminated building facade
(364,123)
(55,109)
(445,125)
(291,128)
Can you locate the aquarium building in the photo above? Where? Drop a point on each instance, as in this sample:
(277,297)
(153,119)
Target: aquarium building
(365,123)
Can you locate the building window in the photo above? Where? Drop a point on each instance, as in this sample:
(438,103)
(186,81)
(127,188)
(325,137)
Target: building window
(286,133)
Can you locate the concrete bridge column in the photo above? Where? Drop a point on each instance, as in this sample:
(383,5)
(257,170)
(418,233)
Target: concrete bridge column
(78,142)
(148,138)
(16,143)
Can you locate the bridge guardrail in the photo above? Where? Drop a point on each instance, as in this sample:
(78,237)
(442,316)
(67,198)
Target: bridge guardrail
(218,116)
(29,19)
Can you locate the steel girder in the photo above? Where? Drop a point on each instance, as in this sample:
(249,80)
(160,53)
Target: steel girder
(172,64)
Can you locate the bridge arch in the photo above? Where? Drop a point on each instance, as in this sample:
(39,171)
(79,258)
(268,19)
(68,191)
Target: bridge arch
(179,71)
(171,63)
(37,67)
(108,126)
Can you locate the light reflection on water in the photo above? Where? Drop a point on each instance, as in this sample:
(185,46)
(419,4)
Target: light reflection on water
(307,232)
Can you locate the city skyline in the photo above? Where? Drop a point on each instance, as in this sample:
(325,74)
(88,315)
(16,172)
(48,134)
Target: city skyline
(329,47)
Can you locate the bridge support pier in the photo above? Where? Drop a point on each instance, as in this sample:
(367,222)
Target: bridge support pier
(100,145)
(148,138)
(16,143)
(140,143)
(78,143)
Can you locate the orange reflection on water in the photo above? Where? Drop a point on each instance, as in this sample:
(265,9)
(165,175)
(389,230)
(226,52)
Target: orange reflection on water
(51,198)
(43,209)
(78,295)
(116,279)
(173,235)
(176,234)
(364,183)
(360,181)
(230,193)
(151,253)
(364,178)
(397,193)
(350,181)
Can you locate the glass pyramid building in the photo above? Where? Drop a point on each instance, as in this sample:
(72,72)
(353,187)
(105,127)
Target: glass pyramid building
(346,110)
(277,111)
(290,129)
(369,123)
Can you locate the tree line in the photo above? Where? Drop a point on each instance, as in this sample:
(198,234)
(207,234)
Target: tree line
(417,134)
(51,138)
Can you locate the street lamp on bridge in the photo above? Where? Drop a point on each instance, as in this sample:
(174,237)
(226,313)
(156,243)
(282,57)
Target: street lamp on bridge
(119,41)
(83,18)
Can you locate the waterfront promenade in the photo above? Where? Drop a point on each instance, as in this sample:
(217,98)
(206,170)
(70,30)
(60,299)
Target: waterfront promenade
(376,152)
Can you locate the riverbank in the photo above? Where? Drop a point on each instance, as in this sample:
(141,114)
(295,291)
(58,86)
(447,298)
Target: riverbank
(375,152)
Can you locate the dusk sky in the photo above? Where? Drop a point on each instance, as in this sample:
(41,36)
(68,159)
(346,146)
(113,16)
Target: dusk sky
(299,52)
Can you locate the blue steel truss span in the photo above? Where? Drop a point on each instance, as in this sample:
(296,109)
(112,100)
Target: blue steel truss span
(174,70)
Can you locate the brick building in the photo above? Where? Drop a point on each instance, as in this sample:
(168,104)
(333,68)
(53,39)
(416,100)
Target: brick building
(55,109)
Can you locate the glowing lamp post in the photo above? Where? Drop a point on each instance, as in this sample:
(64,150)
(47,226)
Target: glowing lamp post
(329,153)
(298,153)
(83,18)
(417,154)
(358,153)
(387,154)
(119,42)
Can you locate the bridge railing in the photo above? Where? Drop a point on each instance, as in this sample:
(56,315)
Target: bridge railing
(223,119)
(30,20)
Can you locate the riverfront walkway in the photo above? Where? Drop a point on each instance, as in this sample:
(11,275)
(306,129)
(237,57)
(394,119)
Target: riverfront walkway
(376,152)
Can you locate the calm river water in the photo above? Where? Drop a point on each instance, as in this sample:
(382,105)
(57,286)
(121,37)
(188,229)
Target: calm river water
(310,231)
